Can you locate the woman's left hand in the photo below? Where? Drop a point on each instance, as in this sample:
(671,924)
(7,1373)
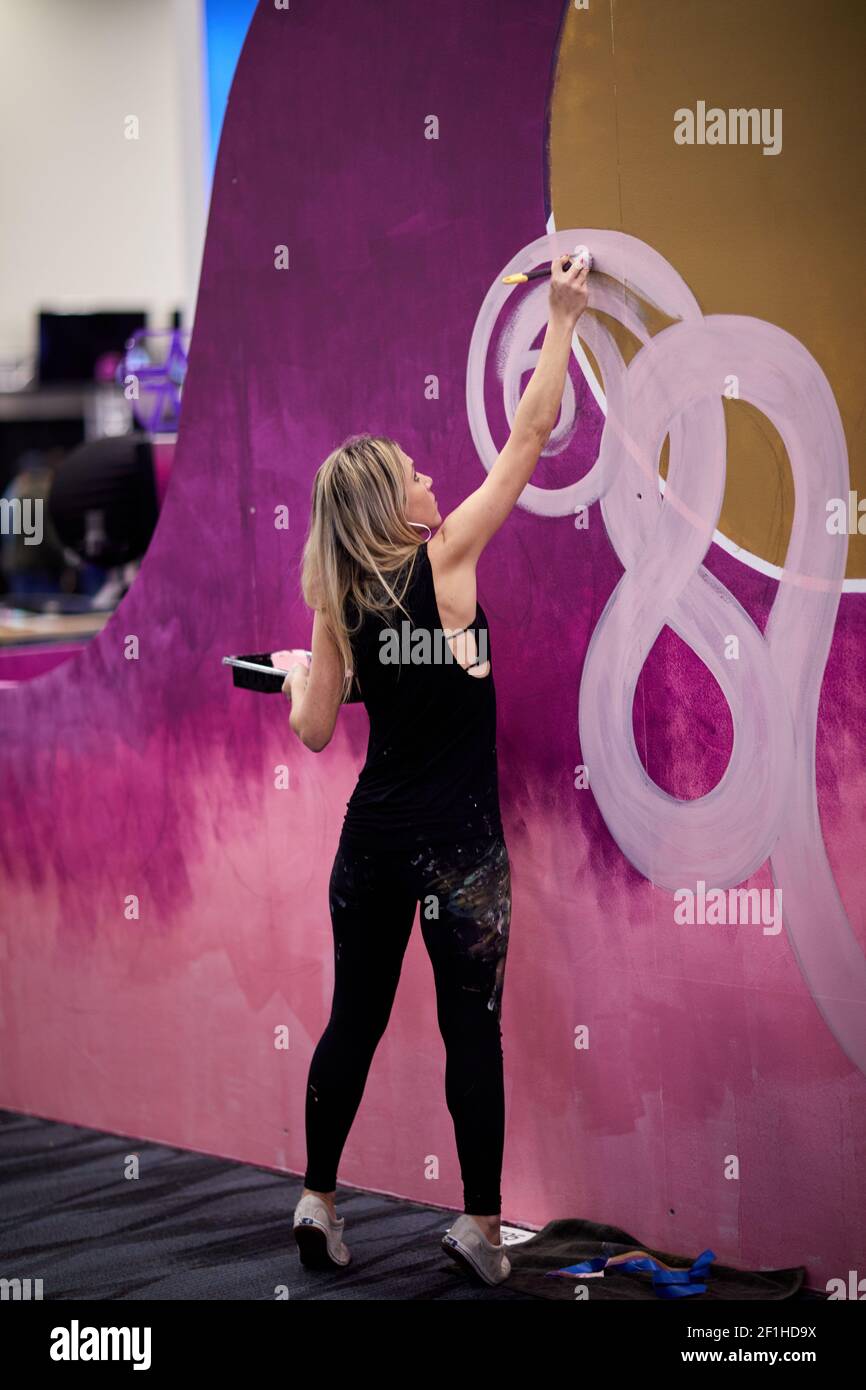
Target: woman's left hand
(294,660)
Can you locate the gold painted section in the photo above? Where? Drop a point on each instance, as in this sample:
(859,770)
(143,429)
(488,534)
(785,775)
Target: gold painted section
(778,237)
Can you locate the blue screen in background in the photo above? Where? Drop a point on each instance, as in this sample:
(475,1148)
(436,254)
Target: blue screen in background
(226,25)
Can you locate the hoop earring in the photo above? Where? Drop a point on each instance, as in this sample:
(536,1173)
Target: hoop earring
(426,528)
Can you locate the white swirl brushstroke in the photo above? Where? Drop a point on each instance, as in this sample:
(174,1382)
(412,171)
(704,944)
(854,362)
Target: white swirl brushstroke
(765,805)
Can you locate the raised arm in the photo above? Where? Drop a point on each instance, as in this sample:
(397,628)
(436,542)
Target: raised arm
(465,532)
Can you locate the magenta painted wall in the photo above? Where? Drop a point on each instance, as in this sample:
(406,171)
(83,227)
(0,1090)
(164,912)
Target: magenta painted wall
(154,777)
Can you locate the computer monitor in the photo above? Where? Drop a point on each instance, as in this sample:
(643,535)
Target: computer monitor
(71,345)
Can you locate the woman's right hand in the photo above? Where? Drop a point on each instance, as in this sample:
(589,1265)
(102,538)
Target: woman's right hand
(568,291)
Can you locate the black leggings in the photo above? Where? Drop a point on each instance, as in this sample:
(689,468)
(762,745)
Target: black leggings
(464,890)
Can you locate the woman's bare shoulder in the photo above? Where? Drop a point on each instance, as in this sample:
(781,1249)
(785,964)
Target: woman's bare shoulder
(444,557)
(454,582)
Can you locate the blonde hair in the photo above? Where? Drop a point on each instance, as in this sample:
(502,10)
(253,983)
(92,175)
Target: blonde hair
(358,539)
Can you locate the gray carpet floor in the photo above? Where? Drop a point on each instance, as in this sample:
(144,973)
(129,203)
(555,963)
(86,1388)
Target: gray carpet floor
(196,1227)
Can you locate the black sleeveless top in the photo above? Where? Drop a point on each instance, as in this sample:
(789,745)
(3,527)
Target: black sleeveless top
(430,776)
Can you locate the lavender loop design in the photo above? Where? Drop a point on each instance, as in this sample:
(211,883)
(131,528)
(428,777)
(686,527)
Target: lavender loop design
(765,805)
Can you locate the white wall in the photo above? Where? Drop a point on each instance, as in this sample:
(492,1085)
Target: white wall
(88,218)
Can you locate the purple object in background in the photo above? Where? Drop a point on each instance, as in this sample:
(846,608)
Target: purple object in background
(159,377)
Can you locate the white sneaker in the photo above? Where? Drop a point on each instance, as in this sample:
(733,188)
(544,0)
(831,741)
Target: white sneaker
(466,1243)
(319,1237)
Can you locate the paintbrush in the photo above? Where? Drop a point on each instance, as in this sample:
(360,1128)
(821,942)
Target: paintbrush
(581,254)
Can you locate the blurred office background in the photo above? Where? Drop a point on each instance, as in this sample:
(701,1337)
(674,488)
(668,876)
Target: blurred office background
(110,116)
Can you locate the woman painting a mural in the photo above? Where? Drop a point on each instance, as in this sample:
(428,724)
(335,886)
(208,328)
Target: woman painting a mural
(423,823)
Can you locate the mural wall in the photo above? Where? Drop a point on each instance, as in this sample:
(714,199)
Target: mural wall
(676,606)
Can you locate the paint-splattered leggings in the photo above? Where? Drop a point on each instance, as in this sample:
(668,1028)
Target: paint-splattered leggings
(464,891)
